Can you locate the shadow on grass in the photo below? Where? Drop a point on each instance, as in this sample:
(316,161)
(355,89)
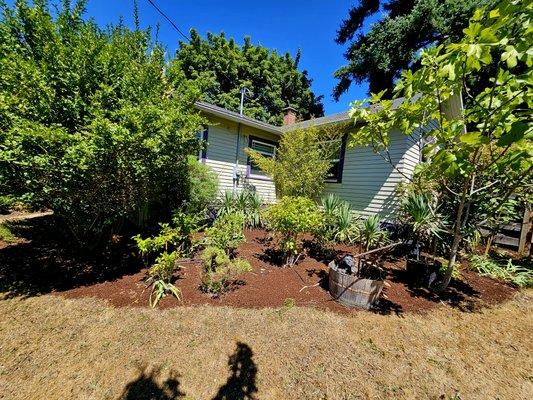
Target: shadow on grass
(240,385)
(387,307)
(147,387)
(44,261)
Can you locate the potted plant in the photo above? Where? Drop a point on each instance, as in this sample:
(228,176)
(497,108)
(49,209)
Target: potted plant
(358,281)
(423,225)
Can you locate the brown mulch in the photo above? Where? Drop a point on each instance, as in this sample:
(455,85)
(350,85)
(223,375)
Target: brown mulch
(269,285)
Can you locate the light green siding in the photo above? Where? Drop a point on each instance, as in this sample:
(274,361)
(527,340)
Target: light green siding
(221,155)
(369,181)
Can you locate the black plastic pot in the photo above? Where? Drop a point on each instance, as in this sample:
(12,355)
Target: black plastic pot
(419,271)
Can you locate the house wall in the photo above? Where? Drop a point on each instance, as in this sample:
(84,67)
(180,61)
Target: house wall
(369,181)
(221,153)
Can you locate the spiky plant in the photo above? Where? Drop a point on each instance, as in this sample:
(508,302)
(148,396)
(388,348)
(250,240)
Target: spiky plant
(345,228)
(424,222)
(253,210)
(371,233)
(227,204)
(331,204)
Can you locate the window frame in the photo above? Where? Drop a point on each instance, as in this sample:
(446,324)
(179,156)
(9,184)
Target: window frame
(340,160)
(203,136)
(251,139)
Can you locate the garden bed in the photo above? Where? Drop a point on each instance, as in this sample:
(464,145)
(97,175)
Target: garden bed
(268,285)
(42,263)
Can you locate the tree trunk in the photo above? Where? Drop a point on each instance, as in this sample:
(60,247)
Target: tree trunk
(457,237)
(490,238)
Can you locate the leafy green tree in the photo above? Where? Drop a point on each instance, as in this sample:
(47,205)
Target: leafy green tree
(485,151)
(301,165)
(222,68)
(289,218)
(393,43)
(94,124)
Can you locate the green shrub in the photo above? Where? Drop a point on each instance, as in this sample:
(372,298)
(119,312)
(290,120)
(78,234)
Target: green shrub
(301,165)
(160,277)
(218,269)
(289,218)
(226,232)
(202,185)
(508,272)
(88,127)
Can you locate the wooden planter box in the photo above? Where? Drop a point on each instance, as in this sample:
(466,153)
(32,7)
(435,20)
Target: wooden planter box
(351,290)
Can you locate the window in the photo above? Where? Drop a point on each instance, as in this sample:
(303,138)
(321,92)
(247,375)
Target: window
(337,159)
(263,147)
(202,136)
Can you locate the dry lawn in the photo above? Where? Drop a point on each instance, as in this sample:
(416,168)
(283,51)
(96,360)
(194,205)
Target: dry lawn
(52,348)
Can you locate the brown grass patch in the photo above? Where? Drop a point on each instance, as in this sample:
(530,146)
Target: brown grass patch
(55,348)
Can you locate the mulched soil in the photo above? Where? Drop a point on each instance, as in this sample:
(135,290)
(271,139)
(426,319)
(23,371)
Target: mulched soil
(42,263)
(270,285)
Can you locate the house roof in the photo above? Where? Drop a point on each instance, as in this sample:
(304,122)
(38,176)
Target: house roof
(236,117)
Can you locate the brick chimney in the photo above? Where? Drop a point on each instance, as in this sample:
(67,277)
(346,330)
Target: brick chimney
(290,116)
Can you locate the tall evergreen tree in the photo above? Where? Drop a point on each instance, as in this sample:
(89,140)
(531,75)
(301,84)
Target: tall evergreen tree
(393,43)
(222,68)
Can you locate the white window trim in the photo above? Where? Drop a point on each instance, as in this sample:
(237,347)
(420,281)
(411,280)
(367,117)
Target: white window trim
(251,175)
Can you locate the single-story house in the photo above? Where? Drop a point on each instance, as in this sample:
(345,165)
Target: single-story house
(358,175)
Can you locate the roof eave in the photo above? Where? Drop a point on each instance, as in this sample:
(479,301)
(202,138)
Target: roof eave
(235,117)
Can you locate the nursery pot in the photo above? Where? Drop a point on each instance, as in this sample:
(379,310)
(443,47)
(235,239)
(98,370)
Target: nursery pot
(420,270)
(351,290)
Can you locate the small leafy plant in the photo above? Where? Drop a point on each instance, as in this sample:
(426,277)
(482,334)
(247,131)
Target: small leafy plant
(6,235)
(167,247)
(289,218)
(218,269)
(179,236)
(508,272)
(160,277)
(226,232)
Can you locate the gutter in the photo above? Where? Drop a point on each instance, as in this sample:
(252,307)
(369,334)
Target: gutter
(236,117)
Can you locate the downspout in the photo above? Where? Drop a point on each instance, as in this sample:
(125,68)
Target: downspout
(236,172)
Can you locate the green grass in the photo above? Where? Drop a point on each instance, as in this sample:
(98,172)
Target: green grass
(6,235)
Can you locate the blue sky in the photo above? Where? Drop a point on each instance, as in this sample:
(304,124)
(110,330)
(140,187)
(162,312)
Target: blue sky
(284,25)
